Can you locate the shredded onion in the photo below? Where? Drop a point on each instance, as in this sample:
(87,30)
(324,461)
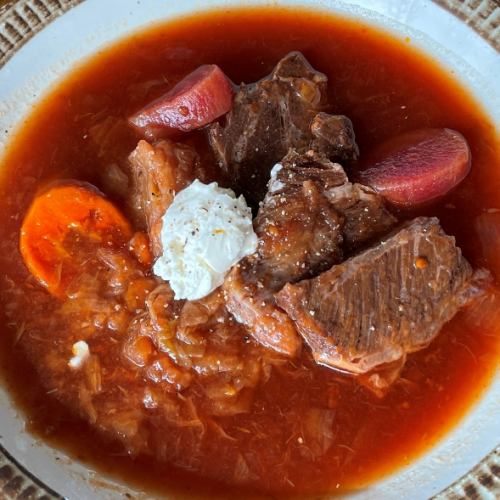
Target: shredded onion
(318,431)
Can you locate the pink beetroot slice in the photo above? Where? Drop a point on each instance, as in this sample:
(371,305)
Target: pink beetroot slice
(198,99)
(419,166)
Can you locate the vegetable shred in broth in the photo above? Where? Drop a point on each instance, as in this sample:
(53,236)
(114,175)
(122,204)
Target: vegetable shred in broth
(386,88)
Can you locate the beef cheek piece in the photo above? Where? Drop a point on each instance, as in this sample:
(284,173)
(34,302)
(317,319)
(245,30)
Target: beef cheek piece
(333,136)
(311,217)
(390,300)
(159,171)
(299,231)
(310,213)
(299,234)
(270,117)
(254,306)
(364,212)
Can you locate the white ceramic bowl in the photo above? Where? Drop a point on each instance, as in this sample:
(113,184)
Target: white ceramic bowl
(41,39)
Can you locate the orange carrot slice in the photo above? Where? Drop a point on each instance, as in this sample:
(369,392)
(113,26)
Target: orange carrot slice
(53,214)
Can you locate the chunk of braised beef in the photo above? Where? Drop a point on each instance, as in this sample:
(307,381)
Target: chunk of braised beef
(253,305)
(299,231)
(299,234)
(267,119)
(159,171)
(384,303)
(333,136)
(310,215)
(365,214)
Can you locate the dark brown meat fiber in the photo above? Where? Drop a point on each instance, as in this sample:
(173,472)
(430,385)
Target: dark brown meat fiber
(267,119)
(389,300)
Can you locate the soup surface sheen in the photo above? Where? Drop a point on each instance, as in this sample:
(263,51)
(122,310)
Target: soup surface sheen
(386,88)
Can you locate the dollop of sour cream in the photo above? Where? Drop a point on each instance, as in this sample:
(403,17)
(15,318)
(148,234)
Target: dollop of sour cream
(81,352)
(205,232)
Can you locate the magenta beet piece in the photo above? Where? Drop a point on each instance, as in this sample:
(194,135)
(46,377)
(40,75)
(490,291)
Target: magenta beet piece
(198,99)
(419,166)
